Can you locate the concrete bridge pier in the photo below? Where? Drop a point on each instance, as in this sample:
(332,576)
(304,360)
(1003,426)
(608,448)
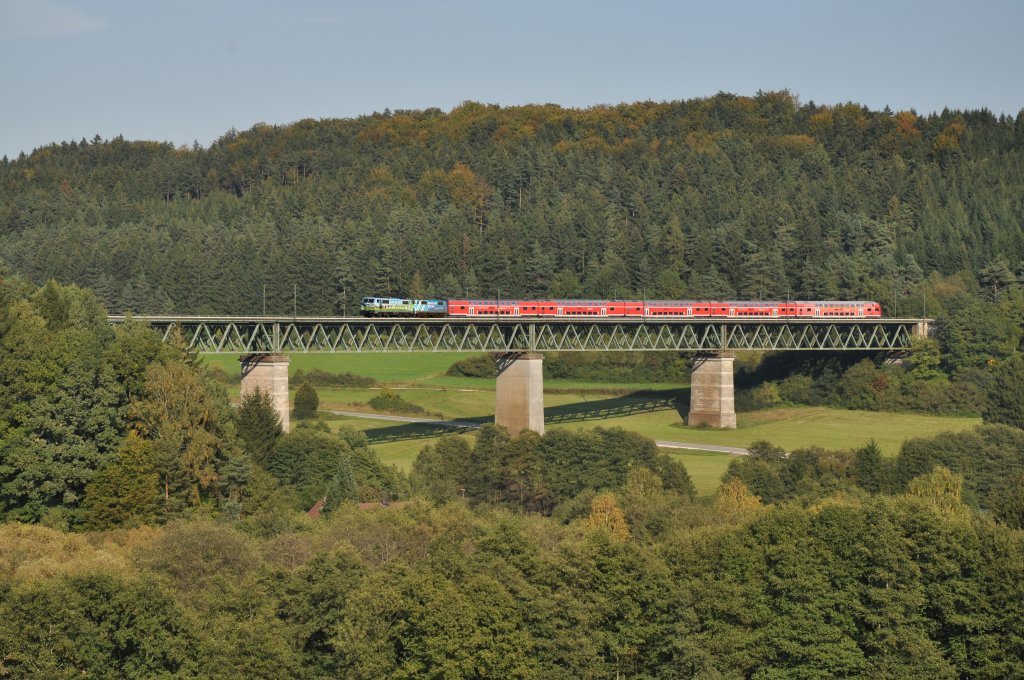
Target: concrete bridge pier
(519,400)
(712,396)
(269,374)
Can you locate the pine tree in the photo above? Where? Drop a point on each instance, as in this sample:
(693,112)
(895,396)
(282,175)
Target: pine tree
(235,474)
(540,268)
(417,289)
(258,425)
(342,486)
(868,464)
(1005,400)
(996,277)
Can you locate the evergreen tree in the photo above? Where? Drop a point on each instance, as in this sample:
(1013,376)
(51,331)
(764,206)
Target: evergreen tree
(996,277)
(341,488)
(258,425)
(869,470)
(1005,401)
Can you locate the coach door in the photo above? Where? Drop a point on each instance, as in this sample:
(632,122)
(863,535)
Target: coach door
(472,311)
(559,311)
(604,311)
(515,311)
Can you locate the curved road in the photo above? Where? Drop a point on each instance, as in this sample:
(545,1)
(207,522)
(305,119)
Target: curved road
(465,424)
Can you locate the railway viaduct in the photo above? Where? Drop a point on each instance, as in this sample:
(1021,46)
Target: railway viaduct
(265,342)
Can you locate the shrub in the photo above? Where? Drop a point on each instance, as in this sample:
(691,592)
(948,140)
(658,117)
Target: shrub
(768,394)
(798,389)
(311,462)
(483,366)
(321,378)
(390,401)
(306,402)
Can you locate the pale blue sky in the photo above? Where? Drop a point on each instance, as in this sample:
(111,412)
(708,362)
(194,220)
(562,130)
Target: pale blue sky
(184,70)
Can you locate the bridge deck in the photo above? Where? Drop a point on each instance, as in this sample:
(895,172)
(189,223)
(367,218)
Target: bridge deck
(265,335)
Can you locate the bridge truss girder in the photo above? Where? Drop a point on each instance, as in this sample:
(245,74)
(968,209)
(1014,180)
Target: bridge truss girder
(272,336)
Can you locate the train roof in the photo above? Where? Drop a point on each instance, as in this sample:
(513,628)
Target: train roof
(736,303)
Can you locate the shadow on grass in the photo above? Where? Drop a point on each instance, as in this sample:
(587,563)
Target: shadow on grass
(599,409)
(647,401)
(395,433)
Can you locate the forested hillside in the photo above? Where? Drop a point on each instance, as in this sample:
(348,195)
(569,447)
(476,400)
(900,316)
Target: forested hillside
(721,197)
(149,530)
(912,586)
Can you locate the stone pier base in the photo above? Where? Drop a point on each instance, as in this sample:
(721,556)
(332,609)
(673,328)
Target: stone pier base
(712,398)
(519,402)
(269,374)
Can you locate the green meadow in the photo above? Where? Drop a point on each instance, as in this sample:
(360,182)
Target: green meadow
(656,411)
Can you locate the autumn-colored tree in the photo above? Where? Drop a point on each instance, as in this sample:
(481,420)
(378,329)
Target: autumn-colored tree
(184,421)
(126,491)
(606,514)
(735,498)
(941,486)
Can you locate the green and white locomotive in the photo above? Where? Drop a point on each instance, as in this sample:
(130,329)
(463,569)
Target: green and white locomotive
(388,306)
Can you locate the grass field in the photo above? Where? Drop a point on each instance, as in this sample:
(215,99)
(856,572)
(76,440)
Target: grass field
(386,368)
(657,412)
(705,467)
(800,427)
(425,369)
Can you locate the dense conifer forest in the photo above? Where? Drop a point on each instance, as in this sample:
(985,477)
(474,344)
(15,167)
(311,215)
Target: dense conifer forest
(725,197)
(149,529)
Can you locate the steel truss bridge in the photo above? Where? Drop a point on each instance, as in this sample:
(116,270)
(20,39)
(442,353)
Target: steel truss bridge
(274,335)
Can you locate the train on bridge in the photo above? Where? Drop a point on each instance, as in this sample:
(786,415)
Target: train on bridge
(697,309)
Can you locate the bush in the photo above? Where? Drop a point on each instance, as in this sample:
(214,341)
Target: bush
(866,386)
(306,402)
(312,463)
(483,366)
(604,367)
(798,389)
(613,367)
(768,394)
(320,378)
(390,401)
(538,473)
